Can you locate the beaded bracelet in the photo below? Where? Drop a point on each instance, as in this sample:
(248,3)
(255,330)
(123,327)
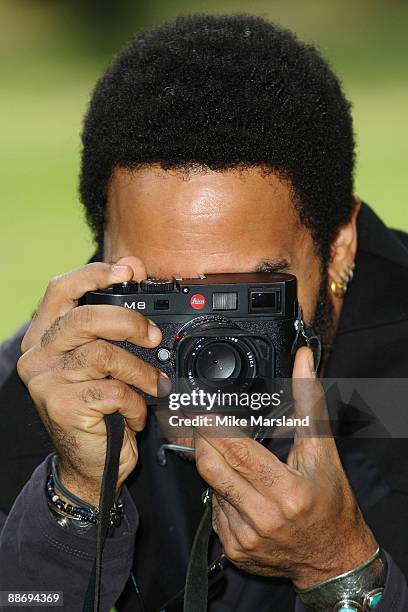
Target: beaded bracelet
(88,514)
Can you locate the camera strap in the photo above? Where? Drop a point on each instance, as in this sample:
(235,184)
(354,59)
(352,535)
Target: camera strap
(196,587)
(306,336)
(115,426)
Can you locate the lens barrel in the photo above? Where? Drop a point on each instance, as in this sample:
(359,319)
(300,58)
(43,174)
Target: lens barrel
(215,354)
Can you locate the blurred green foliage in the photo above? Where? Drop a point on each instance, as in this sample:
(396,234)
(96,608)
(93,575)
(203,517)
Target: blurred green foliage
(51,53)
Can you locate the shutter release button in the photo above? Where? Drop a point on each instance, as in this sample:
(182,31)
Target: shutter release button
(163,355)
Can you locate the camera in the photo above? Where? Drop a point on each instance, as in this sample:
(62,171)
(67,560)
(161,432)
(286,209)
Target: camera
(221,332)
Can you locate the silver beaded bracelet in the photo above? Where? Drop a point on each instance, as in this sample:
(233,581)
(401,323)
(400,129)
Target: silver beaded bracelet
(358,590)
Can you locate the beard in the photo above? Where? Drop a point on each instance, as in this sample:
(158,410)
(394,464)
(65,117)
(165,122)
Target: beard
(323,322)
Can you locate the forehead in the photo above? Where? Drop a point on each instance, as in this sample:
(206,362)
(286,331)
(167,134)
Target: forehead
(200,194)
(218,213)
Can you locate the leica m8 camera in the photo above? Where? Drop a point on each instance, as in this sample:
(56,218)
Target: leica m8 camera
(221,332)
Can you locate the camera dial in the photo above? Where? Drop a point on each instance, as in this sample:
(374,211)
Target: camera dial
(125,288)
(157,285)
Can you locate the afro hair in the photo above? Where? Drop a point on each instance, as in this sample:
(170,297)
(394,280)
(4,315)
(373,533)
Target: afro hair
(220,92)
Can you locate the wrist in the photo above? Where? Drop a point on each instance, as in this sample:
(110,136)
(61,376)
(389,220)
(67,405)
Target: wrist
(84,487)
(358,590)
(344,559)
(76,514)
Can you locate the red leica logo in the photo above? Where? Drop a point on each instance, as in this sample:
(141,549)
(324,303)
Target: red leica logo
(197,301)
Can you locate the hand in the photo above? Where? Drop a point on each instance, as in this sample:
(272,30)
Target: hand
(66,359)
(297,519)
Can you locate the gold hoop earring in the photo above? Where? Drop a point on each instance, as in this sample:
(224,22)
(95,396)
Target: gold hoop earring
(338,289)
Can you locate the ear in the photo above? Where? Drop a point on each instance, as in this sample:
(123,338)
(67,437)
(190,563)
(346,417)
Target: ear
(344,247)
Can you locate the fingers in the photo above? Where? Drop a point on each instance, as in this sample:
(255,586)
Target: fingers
(242,541)
(224,527)
(107,396)
(64,291)
(93,361)
(313,443)
(137,265)
(308,393)
(82,406)
(99,359)
(86,323)
(222,477)
(255,463)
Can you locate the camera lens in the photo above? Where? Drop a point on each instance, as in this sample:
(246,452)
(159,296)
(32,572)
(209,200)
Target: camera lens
(213,353)
(218,361)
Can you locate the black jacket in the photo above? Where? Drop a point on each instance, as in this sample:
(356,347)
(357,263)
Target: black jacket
(371,342)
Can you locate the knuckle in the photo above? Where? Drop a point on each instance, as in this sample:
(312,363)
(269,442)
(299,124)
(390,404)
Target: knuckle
(50,333)
(233,553)
(268,476)
(138,421)
(140,403)
(140,424)
(81,317)
(73,360)
(228,493)
(207,465)
(249,541)
(23,367)
(105,354)
(119,391)
(296,507)
(90,394)
(237,455)
(55,284)
(263,527)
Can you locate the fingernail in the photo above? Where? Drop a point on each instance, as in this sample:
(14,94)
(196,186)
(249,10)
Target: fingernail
(153,331)
(119,269)
(164,385)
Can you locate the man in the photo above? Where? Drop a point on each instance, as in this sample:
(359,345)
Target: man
(212,144)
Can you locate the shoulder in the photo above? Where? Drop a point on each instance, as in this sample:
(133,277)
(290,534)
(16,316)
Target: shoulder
(402,237)
(10,352)
(371,336)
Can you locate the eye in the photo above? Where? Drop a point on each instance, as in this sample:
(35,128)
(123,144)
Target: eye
(278,266)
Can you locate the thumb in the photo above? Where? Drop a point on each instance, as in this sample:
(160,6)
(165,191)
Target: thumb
(313,442)
(137,265)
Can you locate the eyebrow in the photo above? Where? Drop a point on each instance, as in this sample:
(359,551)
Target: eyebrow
(272,265)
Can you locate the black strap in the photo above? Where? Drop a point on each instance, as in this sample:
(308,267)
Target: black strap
(114,429)
(196,588)
(306,336)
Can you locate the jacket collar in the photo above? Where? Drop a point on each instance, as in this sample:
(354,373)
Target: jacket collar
(378,294)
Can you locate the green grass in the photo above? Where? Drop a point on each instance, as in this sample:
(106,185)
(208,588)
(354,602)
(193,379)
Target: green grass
(46,79)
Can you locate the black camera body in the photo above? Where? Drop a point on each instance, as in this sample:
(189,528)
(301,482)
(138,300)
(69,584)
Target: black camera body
(220,331)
